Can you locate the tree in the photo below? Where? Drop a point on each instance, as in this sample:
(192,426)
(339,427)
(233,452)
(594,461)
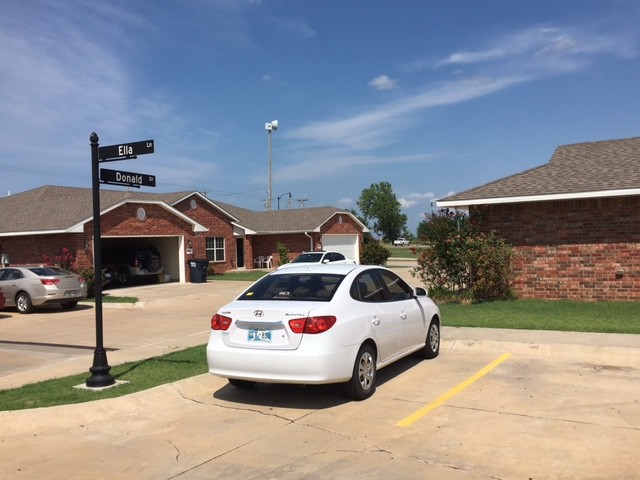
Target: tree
(379,204)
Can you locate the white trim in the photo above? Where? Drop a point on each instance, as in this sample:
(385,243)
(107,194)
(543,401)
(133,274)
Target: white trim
(539,198)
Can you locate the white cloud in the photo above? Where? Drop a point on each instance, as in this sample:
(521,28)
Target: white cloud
(383,82)
(417,199)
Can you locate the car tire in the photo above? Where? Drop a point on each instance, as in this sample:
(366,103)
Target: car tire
(68,305)
(23,303)
(124,278)
(241,383)
(363,381)
(431,347)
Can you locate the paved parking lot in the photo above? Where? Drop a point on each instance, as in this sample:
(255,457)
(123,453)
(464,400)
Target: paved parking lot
(494,404)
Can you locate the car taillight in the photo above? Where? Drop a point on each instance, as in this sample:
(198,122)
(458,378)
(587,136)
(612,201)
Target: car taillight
(312,324)
(220,322)
(50,281)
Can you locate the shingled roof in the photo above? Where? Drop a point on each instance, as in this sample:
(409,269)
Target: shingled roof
(58,209)
(582,170)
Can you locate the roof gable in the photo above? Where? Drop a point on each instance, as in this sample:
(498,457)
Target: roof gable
(594,169)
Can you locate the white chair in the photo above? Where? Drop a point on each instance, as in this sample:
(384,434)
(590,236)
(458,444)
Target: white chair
(258,261)
(267,262)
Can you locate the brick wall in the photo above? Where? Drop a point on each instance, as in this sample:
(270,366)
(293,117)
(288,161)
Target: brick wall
(32,249)
(218,225)
(576,249)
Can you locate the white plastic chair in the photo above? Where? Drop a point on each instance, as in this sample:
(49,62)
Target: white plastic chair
(267,262)
(258,261)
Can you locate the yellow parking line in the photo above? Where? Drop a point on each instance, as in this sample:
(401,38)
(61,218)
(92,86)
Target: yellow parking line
(411,419)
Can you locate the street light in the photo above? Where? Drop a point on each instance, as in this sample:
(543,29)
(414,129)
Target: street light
(288,193)
(270,127)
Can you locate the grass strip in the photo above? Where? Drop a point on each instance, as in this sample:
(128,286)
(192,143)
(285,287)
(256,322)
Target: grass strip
(141,375)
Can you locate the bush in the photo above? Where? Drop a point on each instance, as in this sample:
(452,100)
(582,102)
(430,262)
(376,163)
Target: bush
(461,262)
(283,253)
(374,254)
(90,277)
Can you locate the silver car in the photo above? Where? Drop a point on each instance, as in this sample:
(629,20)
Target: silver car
(28,287)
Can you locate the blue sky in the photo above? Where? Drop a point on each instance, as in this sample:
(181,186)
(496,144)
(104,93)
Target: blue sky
(432,97)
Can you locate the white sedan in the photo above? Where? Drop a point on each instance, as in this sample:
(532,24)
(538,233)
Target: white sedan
(320,257)
(322,324)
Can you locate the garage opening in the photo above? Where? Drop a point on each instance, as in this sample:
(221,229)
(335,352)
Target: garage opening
(138,260)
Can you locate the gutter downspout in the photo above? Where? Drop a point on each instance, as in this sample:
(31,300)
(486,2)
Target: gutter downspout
(310,241)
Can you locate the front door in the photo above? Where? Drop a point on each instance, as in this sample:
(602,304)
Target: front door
(240,252)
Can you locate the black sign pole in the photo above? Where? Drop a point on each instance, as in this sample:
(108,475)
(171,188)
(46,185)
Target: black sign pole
(100,376)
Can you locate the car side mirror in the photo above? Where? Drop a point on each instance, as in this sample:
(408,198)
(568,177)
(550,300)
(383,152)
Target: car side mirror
(420,292)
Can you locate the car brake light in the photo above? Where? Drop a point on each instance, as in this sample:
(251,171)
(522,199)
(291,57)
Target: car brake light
(312,325)
(220,322)
(50,281)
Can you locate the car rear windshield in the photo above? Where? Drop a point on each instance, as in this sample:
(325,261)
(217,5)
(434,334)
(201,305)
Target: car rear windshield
(49,271)
(308,258)
(316,287)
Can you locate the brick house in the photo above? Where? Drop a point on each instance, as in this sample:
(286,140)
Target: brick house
(181,225)
(574,222)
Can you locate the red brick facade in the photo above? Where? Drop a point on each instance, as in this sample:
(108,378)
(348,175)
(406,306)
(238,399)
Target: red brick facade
(575,249)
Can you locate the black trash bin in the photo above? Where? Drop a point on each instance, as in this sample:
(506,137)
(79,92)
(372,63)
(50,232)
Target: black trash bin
(198,270)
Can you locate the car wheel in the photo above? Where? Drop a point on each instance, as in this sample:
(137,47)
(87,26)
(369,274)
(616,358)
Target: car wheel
(68,305)
(124,278)
(241,383)
(363,381)
(23,303)
(432,343)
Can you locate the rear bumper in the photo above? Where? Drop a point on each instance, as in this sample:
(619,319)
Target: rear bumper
(332,364)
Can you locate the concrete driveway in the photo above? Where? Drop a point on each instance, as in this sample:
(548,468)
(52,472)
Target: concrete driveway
(495,404)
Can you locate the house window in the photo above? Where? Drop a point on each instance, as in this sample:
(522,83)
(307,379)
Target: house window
(215,249)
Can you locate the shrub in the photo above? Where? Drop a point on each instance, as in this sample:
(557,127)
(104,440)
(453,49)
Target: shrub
(461,262)
(283,253)
(374,254)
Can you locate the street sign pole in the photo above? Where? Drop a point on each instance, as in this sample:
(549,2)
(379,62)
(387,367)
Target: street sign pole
(100,376)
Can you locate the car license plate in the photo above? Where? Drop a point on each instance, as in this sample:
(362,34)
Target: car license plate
(259,336)
(71,293)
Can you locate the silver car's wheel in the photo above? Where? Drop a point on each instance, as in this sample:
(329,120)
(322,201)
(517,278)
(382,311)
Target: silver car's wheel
(363,381)
(23,303)
(432,343)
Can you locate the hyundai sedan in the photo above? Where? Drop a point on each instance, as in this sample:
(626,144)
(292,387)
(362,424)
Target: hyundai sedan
(322,324)
(28,287)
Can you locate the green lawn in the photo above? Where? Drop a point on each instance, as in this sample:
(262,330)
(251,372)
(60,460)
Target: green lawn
(401,252)
(603,317)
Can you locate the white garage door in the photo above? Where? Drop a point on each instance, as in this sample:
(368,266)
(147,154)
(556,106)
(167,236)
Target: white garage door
(345,244)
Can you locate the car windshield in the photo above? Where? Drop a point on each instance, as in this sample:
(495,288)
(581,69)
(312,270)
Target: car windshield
(48,271)
(316,287)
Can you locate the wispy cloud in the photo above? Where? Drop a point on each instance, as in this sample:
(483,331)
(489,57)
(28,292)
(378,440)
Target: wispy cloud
(379,125)
(551,47)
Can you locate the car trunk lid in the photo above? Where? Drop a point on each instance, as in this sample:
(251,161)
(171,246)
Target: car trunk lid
(264,326)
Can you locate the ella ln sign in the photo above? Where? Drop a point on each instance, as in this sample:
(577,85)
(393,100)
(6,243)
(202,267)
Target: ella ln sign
(125,151)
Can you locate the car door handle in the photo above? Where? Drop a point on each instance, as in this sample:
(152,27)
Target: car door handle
(375,321)
(403,316)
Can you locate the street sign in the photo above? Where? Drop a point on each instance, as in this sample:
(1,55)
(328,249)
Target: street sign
(128,179)
(125,151)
